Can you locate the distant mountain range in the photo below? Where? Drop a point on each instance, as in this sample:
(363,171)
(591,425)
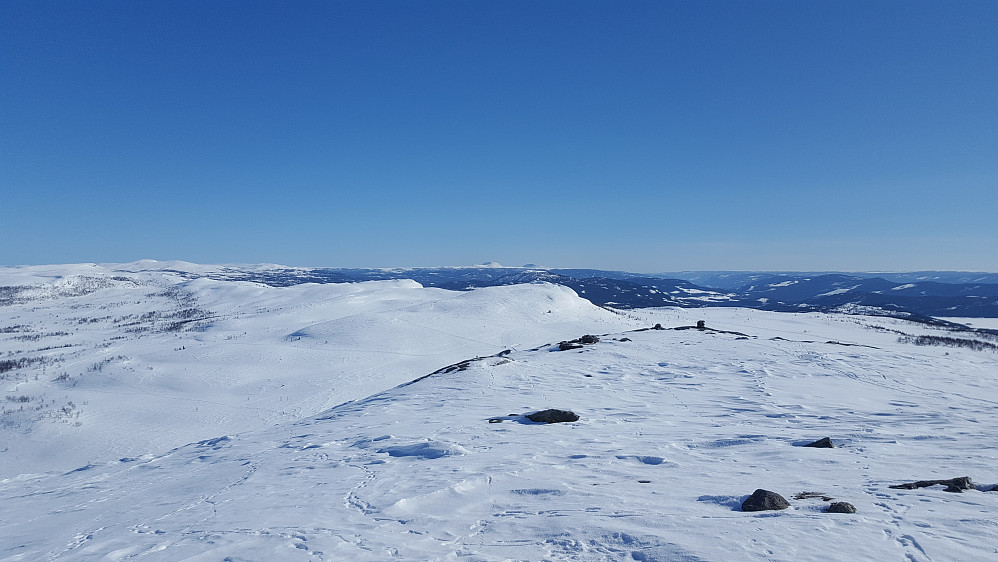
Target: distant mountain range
(922,295)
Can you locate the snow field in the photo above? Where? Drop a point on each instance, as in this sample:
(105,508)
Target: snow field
(261,355)
(676,429)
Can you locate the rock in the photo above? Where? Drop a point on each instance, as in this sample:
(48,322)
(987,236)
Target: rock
(658,327)
(587,339)
(824,442)
(553,416)
(701,324)
(764,500)
(958,484)
(840,507)
(625,339)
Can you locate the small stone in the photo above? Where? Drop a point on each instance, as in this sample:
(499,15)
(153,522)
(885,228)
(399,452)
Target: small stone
(824,443)
(495,420)
(553,416)
(840,507)
(764,500)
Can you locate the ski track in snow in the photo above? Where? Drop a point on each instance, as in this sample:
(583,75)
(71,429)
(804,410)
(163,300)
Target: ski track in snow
(677,428)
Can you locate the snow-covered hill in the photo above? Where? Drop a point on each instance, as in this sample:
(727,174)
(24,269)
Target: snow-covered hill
(677,428)
(100,362)
(920,295)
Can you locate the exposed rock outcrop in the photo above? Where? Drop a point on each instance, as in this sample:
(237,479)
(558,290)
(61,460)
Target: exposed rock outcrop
(952,485)
(765,500)
(823,443)
(553,416)
(587,339)
(840,507)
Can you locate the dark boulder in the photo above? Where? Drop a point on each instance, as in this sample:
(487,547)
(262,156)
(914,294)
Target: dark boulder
(589,339)
(553,416)
(566,345)
(824,443)
(840,507)
(764,500)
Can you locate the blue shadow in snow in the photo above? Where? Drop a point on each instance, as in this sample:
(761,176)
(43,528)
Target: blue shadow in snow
(733,502)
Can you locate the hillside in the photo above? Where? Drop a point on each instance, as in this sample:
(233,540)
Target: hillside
(918,295)
(677,427)
(98,362)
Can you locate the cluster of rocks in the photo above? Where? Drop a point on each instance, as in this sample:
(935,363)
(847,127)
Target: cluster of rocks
(766,500)
(587,339)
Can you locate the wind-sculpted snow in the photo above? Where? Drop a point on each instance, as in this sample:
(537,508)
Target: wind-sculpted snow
(677,428)
(103,362)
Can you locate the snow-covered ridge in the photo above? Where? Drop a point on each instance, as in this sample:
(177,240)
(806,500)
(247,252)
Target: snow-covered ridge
(677,428)
(966,295)
(130,363)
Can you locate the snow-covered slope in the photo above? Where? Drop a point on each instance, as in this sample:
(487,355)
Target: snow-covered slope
(100,362)
(677,428)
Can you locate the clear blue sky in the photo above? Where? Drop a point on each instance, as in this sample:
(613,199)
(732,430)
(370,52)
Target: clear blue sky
(646,136)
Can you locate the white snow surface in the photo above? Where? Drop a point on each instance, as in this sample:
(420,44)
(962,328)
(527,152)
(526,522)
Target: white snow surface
(985,323)
(839,291)
(677,428)
(130,385)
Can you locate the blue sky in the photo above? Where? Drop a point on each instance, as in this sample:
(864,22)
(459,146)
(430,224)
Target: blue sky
(644,136)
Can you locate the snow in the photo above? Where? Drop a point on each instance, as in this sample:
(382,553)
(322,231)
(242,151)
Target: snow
(677,428)
(702,295)
(838,291)
(903,287)
(985,323)
(264,355)
(693,291)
